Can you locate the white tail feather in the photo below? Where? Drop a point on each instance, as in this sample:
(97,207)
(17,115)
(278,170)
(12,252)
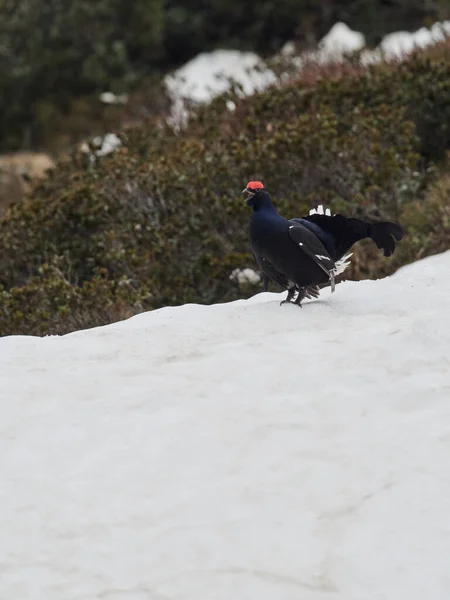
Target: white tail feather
(342,264)
(320,211)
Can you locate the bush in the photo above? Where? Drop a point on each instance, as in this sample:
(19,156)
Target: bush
(428,223)
(53,53)
(164,211)
(50,303)
(57,56)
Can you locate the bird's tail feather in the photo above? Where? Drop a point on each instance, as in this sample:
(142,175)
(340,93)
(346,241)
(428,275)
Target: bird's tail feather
(384,234)
(342,264)
(320,210)
(347,231)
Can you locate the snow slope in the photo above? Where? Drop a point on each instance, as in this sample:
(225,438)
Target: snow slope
(240,451)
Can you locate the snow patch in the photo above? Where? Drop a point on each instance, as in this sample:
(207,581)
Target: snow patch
(400,44)
(110,98)
(211,73)
(288,49)
(244,276)
(339,41)
(242,450)
(104,145)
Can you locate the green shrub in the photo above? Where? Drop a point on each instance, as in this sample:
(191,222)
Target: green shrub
(165,213)
(428,223)
(58,54)
(49,303)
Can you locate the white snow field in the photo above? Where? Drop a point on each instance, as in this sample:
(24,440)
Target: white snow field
(242,451)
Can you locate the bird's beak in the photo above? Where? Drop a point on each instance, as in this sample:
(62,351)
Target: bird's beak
(248,194)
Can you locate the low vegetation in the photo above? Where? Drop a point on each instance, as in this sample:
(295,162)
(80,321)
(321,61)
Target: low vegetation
(57,56)
(161,220)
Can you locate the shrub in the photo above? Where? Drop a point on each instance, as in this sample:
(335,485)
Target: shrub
(164,211)
(49,303)
(56,56)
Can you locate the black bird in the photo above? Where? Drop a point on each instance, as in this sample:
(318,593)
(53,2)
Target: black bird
(304,254)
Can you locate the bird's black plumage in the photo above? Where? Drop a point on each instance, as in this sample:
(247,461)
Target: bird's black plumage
(304,254)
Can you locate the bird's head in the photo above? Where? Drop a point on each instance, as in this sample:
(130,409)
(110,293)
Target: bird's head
(255,195)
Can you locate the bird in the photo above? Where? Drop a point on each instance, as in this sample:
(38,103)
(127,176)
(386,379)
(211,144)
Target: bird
(304,254)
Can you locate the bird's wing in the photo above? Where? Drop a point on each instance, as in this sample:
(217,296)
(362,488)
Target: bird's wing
(272,273)
(311,246)
(324,236)
(269,271)
(264,277)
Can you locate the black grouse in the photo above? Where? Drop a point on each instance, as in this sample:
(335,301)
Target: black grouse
(304,254)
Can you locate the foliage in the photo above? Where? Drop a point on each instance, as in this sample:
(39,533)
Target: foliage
(428,223)
(163,213)
(55,53)
(50,303)
(57,56)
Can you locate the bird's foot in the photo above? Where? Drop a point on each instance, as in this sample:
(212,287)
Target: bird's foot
(310,292)
(290,295)
(286,302)
(300,296)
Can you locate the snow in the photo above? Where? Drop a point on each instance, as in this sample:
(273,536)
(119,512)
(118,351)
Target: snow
(110,98)
(339,41)
(400,44)
(211,73)
(242,450)
(108,144)
(288,49)
(105,145)
(335,45)
(243,276)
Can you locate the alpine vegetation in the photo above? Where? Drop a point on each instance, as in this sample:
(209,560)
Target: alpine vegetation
(304,254)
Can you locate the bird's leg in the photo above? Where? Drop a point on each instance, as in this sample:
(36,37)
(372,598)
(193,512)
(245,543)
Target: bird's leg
(290,295)
(300,297)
